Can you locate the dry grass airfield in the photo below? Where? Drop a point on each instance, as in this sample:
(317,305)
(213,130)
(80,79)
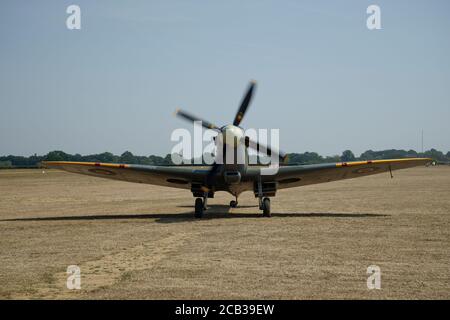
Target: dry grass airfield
(141,241)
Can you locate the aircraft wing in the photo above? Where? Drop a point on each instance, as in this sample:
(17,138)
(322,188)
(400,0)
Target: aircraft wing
(300,175)
(168,176)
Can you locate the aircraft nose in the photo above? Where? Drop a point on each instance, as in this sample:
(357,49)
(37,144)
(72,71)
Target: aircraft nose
(232,133)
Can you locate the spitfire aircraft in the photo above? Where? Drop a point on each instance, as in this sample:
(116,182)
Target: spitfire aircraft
(232,176)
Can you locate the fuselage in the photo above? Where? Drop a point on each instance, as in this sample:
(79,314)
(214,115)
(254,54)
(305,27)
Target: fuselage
(233,154)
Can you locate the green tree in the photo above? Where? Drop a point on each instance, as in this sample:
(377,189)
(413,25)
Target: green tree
(435,154)
(168,160)
(335,158)
(369,155)
(127,157)
(107,157)
(57,156)
(347,155)
(5,164)
(305,158)
(156,160)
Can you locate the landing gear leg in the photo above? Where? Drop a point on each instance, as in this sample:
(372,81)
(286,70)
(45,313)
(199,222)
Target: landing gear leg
(205,201)
(198,208)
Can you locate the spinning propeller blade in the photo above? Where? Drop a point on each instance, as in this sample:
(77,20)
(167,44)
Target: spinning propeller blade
(244,104)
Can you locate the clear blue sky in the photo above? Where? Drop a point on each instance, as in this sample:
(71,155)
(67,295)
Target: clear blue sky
(324,79)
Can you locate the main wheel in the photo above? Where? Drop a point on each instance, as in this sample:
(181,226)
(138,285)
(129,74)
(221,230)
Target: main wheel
(266,207)
(233,204)
(198,208)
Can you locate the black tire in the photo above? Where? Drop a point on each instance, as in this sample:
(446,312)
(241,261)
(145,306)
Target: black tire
(233,204)
(198,208)
(266,207)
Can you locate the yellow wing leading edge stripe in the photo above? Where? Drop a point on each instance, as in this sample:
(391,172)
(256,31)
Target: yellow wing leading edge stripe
(358,163)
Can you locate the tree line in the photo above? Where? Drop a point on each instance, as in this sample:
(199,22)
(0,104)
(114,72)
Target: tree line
(33,161)
(348,155)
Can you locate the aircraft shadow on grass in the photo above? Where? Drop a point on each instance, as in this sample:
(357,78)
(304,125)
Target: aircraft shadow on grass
(213,212)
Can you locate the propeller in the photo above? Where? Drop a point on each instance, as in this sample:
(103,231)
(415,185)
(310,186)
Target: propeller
(211,176)
(190,117)
(282,157)
(245,103)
